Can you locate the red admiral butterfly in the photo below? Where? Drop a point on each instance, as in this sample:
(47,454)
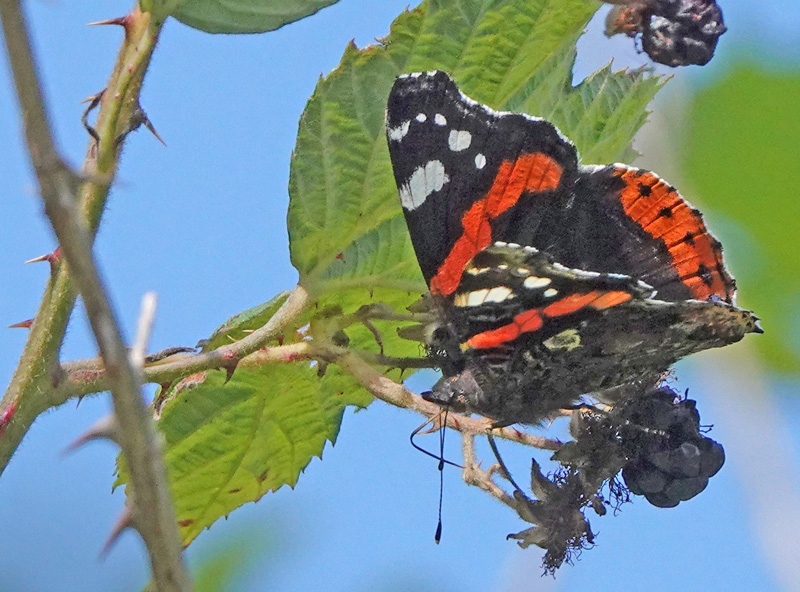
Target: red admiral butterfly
(617,278)
(673,32)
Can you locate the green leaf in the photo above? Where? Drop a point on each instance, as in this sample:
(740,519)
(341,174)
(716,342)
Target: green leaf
(244,16)
(241,324)
(230,444)
(345,224)
(741,155)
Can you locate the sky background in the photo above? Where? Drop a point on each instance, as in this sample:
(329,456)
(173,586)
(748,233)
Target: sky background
(202,222)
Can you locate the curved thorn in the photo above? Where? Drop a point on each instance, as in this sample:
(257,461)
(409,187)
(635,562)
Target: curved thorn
(230,367)
(124,521)
(104,428)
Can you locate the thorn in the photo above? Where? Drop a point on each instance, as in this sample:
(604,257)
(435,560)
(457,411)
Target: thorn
(52,258)
(138,118)
(22,324)
(149,125)
(161,398)
(104,428)
(124,521)
(122,21)
(39,259)
(230,367)
(93,99)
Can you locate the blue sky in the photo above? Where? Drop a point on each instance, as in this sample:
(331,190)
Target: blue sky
(202,222)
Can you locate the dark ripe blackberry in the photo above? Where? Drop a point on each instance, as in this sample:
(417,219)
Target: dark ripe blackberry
(682,490)
(661,500)
(713,457)
(669,460)
(683,461)
(644,480)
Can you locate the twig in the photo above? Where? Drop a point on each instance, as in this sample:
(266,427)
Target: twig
(396,394)
(83,377)
(28,393)
(474,475)
(143,330)
(154,514)
(87,376)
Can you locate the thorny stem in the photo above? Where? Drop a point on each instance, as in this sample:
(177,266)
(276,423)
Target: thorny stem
(28,393)
(153,516)
(88,376)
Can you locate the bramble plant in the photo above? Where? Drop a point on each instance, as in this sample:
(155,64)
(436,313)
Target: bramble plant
(267,391)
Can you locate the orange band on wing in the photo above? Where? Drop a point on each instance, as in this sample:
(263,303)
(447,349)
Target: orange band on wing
(610,299)
(663,214)
(530,173)
(533,320)
(530,320)
(570,304)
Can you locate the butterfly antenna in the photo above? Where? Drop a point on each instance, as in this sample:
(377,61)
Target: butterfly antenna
(442,462)
(438,457)
(438,536)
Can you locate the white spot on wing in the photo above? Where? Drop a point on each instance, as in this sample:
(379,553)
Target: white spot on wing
(399,132)
(440,119)
(459,140)
(475,298)
(550,292)
(534,282)
(421,117)
(480,161)
(423,181)
(477,270)
(480,297)
(499,294)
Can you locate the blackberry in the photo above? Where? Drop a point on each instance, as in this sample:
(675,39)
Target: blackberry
(669,460)
(673,32)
